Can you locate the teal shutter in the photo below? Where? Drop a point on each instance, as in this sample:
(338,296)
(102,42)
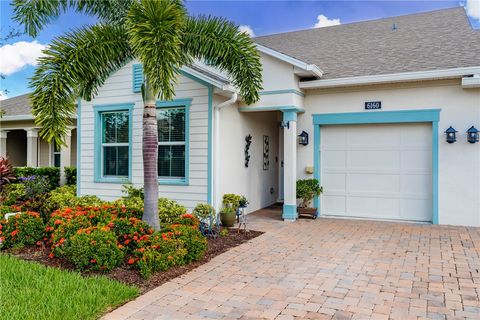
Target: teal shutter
(137,77)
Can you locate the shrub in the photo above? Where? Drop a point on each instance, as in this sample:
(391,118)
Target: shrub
(130,232)
(204,211)
(131,192)
(231,200)
(307,189)
(193,241)
(13,193)
(34,186)
(66,196)
(130,207)
(187,219)
(50,173)
(93,249)
(6,172)
(23,229)
(70,176)
(169,210)
(158,253)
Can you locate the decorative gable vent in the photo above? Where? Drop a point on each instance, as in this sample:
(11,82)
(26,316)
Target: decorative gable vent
(137,77)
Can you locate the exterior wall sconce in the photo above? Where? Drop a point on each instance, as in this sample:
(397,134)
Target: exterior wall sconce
(284,124)
(451,135)
(303,138)
(472,135)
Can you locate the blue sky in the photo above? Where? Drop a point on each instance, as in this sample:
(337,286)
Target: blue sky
(261,17)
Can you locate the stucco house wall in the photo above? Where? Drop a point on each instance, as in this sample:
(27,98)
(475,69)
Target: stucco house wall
(459,163)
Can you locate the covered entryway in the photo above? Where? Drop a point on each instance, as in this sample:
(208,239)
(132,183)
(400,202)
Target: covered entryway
(381,171)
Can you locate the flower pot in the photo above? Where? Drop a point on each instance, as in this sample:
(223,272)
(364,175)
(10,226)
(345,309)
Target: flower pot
(227,219)
(312,212)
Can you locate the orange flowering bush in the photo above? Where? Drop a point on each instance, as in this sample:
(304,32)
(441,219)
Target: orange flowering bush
(23,229)
(93,248)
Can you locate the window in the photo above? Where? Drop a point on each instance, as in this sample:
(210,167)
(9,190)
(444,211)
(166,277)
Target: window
(115,144)
(56,155)
(172,134)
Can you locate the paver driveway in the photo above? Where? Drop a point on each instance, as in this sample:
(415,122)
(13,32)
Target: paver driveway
(328,268)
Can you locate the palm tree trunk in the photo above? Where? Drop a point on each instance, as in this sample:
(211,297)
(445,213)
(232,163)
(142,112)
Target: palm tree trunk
(150,158)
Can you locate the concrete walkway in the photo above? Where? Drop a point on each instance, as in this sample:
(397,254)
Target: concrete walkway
(328,269)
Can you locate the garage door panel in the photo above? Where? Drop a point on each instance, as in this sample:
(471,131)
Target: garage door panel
(377,171)
(382,159)
(378,183)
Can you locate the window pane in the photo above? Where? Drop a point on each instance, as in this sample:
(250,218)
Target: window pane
(56,160)
(171,124)
(115,127)
(171,161)
(115,161)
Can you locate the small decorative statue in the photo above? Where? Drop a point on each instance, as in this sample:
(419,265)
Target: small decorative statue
(248,142)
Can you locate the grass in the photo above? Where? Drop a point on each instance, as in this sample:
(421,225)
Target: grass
(31,291)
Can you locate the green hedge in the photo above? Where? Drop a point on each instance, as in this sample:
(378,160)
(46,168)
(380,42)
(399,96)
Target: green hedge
(52,174)
(71,176)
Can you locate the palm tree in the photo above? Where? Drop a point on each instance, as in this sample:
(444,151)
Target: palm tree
(159,33)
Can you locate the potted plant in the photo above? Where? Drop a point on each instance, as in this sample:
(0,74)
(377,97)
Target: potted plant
(243,202)
(228,213)
(307,189)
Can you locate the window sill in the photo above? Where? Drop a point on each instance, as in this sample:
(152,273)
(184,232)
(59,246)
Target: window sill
(112,180)
(173,182)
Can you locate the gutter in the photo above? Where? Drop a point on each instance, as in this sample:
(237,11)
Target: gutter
(389,78)
(217,149)
(471,82)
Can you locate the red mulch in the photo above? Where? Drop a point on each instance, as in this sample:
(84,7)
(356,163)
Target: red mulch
(129,275)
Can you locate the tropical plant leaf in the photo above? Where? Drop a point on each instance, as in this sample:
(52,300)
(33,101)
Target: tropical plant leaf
(75,65)
(224,46)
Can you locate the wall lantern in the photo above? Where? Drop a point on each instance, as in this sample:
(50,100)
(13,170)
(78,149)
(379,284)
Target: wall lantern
(303,138)
(472,135)
(451,135)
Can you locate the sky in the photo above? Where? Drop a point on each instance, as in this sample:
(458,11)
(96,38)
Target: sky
(18,55)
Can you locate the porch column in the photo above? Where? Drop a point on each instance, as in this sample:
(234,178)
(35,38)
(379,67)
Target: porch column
(3,143)
(290,166)
(65,156)
(32,147)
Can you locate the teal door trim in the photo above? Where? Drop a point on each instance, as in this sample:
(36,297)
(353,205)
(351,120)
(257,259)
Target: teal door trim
(377,117)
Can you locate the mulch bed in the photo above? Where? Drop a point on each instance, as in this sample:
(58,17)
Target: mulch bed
(130,276)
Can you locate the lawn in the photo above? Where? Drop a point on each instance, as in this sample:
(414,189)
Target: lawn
(32,291)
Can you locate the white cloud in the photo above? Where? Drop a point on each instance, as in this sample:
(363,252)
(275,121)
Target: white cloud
(14,57)
(247,29)
(323,21)
(473,8)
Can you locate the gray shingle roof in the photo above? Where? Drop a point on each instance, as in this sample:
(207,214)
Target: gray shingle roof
(16,106)
(434,40)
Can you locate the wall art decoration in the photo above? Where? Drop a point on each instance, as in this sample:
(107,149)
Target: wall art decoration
(248,142)
(266,152)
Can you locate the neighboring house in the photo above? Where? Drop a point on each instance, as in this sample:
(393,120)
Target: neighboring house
(20,141)
(388,163)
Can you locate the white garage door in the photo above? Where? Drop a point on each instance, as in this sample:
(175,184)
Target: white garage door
(381,171)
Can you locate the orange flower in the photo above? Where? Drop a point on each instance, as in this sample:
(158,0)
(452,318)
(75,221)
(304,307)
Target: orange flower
(126,242)
(141,250)
(93,261)
(14,233)
(51,255)
(131,261)
(57,222)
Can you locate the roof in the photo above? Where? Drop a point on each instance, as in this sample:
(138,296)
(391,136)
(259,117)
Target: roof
(436,40)
(16,106)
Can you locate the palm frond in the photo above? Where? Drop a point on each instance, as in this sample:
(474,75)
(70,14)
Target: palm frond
(223,45)
(34,15)
(155,30)
(75,65)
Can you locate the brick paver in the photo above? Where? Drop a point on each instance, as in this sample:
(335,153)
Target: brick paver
(328,269)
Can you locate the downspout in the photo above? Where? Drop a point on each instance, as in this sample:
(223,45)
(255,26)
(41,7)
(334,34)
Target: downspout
(216,149)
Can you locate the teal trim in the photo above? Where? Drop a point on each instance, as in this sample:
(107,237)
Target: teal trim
(98,109)
(289,212)
(428,115)
(187,102)
(79,145)
(284,91)
(404,116)
(137,78)
(272,108)
(179,103)
(194,78)
(210,146)
(289,115)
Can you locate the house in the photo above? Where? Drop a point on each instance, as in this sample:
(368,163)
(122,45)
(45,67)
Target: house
(374,98)
(20,141)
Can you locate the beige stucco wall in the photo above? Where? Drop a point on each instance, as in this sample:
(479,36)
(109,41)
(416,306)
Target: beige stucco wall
(459,163)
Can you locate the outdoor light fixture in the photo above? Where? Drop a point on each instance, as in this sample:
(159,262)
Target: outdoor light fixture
(451,135)
(284,124)
(472,135)
(303,138)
